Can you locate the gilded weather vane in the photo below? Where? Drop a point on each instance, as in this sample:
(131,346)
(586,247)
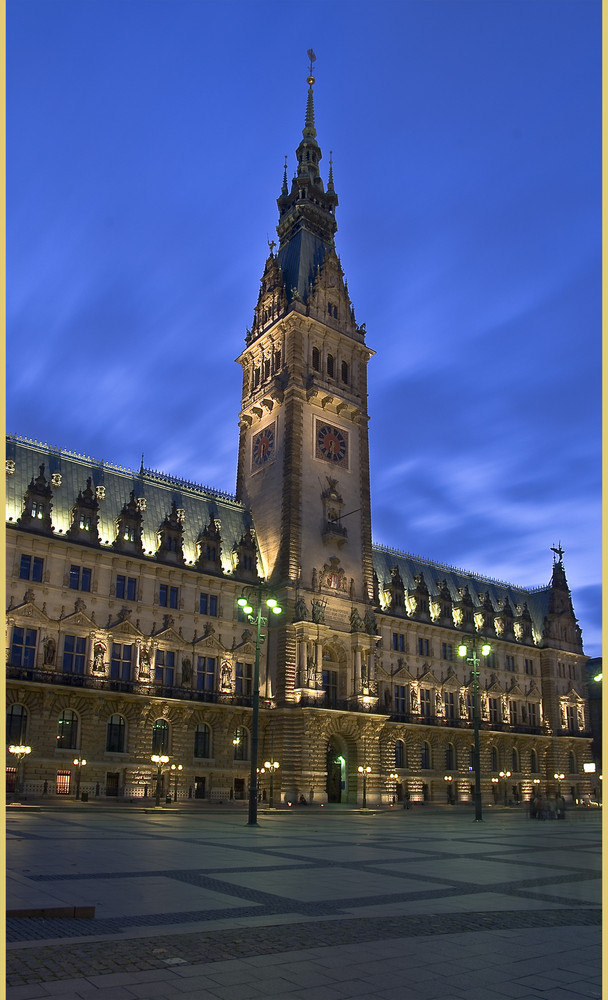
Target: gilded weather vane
(312,58)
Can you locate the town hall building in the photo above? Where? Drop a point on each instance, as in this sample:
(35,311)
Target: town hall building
(125,640)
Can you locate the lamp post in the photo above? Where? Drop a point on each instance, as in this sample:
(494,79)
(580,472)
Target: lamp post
(262,593)
(364,771)
(20,752)
(468,650)
(504,775)
(159,760)
(271,766)
(448,778)
(176,768)
(559,776)
(80,762)
(394,777)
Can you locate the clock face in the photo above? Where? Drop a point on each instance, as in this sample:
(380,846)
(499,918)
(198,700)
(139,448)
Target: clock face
(332,444)
(263,446)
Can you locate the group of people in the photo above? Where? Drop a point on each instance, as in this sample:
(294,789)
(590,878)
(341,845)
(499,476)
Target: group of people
(543,807)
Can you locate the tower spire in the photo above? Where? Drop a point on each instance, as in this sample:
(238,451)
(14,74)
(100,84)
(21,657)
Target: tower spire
(307,224)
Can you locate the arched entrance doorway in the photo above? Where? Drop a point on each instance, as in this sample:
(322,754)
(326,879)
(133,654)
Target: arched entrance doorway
(336,770)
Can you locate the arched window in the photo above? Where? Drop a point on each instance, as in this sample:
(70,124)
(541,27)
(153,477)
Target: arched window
(345,372)
(202,740)
(400,754)
(316,359)
(425,756)
(115,734)
(450,757)
(240,742)
(330,365)
(67,730)
(493,759)
(16,724)
(515,760)
(572,762)
(160,736)
(533,761)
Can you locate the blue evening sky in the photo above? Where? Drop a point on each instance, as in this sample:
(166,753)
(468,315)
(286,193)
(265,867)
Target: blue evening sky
(146,141)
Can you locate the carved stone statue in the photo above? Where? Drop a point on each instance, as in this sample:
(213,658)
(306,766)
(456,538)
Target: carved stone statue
(318,613)
(49,651)
(99,651)
(300,613)
(311,672)
(144,664)
(356,622)
(186,671)
(226,676)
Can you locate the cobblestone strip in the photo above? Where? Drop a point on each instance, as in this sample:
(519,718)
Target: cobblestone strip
(49,964)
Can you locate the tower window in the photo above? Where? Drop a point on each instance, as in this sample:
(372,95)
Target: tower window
(330,365)
(267,369)
(316,359)
(345,372)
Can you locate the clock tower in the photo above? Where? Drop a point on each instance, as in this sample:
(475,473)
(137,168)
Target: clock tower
(303,466)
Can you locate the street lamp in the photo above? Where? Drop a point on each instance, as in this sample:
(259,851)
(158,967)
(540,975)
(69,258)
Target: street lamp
(364,771)
(394,777)
(271,766)
(20,752)
(176,768)
(261,593)
(448,778)
(559,776)
(468,650)
(80,762)
(159,760)
(504,775)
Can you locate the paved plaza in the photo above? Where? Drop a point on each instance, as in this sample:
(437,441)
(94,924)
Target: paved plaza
(312,904)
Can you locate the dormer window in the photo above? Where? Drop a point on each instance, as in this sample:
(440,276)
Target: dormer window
(37,510)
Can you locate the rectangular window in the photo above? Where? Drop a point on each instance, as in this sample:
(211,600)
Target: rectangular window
(572,671)
(494,708)
(425,703)
(23,647)
(205,673)
(244,679)
(533,713)
(529,666)
(446,651)
(449,705)
(513,717)
(510,662)
(400,699)
(80,578)
(208,605)
(63,782)
(120,663)
(398,642)
(126,588)
(31,568)
(423,647)
(330,686)
(164,667)
(74,648)
(168,597)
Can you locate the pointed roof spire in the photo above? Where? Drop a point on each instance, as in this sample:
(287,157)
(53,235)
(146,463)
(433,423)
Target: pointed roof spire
(309,130)
(330,179)
(285,189)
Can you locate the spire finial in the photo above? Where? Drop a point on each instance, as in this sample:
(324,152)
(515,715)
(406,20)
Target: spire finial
(309,123)
(285,189)
(330,179)
(141,468)
(558,552)
(312,58)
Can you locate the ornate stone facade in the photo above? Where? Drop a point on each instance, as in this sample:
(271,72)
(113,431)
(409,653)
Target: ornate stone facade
(123,633)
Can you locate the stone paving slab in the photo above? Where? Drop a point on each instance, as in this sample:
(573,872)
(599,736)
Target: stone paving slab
(451,909)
